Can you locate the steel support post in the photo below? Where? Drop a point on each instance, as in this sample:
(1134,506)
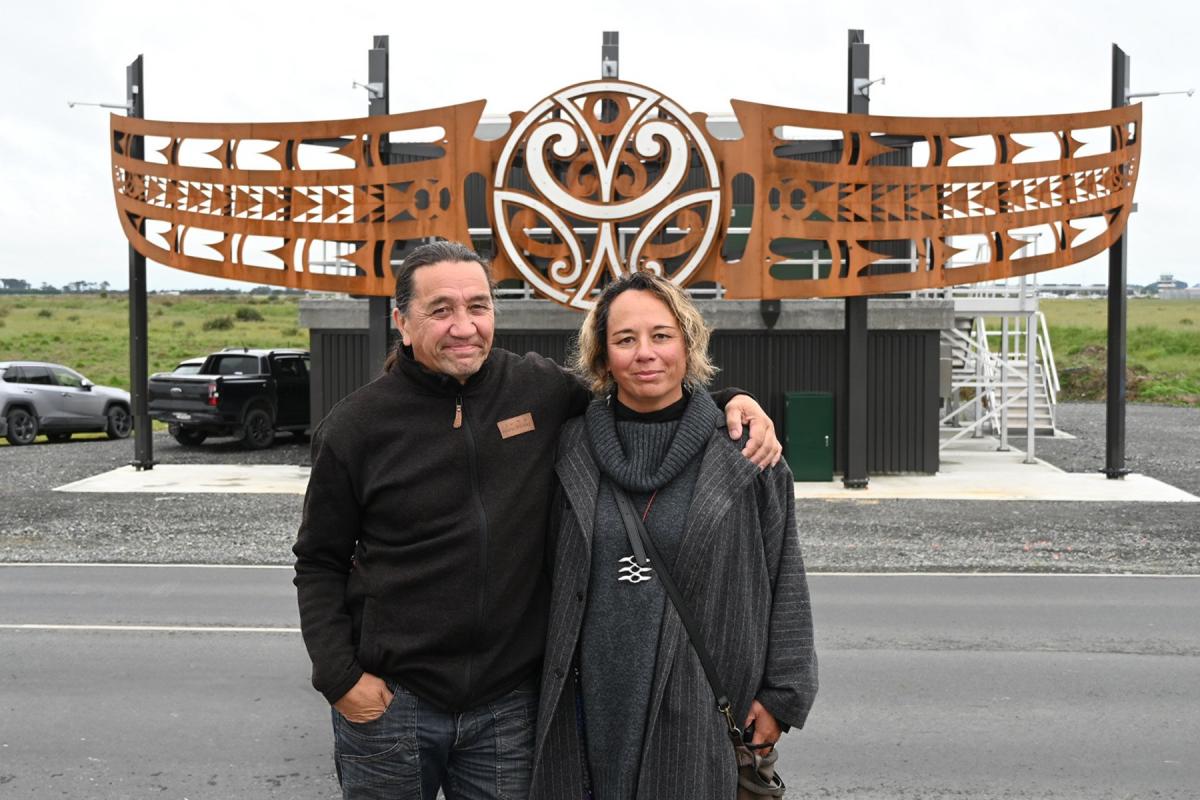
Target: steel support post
(379,309)
(854,388)
(1003,385)
(1114,451)
(143,432)
(1030,388)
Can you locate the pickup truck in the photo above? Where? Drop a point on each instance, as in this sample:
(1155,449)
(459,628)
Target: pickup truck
(250,394)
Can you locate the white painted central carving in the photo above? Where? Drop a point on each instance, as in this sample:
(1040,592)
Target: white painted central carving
(595,179)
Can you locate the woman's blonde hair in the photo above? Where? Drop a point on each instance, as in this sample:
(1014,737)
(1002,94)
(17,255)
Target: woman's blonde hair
(591,354)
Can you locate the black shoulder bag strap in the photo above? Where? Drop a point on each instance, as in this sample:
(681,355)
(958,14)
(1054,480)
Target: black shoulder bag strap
(643,545)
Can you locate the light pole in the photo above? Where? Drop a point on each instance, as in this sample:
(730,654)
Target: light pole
(143,434)
(1114,450)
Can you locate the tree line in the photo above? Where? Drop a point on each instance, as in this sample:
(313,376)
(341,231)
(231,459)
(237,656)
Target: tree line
(19,286)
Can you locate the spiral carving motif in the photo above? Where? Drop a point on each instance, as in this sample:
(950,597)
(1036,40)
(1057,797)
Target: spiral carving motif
(605,173)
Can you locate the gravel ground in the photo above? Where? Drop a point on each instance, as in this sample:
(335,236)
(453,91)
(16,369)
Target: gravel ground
(38,524)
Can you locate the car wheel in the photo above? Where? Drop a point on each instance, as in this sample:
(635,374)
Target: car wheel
(258,430)
(120,423)
(22,427)
(58,437)
(187,437)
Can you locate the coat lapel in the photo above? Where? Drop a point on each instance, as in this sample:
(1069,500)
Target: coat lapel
(579,476)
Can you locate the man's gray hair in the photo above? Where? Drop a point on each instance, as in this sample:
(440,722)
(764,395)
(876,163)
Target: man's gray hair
(435,253)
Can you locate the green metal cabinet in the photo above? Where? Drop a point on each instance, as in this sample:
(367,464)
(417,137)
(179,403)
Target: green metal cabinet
(808,435)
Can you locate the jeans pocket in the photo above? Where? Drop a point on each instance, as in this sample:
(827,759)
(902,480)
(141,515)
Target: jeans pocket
(379,758)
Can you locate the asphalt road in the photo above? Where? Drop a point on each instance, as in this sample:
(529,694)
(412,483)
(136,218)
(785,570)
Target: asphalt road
(932,686)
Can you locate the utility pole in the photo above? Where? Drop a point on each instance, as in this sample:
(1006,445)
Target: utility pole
(854,386)
(1114,449)
(143,433)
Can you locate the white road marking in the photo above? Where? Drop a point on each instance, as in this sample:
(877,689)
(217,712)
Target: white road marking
(145,628)
(101,564)
(909,574)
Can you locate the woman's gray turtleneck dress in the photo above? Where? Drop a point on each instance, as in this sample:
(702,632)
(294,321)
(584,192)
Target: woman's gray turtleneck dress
(656,458)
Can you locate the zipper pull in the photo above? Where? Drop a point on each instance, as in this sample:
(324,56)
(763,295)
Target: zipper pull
(458,412)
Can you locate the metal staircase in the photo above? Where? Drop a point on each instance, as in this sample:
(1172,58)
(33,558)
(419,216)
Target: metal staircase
(989,376)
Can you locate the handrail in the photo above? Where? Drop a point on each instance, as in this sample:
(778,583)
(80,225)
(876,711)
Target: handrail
(1048,352)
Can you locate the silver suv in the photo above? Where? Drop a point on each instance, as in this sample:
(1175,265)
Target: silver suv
(36,397)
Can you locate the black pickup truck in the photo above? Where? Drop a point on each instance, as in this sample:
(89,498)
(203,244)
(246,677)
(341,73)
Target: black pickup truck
(238,392)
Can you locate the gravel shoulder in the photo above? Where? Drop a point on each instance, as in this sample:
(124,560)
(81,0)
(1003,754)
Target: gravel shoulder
(38,524)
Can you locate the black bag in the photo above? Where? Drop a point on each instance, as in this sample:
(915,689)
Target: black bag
(756,773)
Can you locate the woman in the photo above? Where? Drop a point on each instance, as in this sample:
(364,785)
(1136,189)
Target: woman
(626,710)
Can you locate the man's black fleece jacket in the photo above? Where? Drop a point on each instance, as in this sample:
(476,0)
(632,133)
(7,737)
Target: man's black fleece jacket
(420,554)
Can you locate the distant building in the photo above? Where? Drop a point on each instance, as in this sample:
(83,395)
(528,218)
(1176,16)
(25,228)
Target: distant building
(1180,294)
(1166,282)
(1072,290)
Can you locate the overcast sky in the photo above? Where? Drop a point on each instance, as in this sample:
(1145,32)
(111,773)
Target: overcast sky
(265,61)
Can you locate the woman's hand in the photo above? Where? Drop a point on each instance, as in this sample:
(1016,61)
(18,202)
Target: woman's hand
(763,447)
(766,727)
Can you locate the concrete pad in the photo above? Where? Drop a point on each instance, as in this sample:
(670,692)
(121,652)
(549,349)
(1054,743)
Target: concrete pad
(975,470)
(970,470)
(198,478)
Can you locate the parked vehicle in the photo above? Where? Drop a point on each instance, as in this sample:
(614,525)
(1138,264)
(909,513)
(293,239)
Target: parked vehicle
(37,397)
(250,394)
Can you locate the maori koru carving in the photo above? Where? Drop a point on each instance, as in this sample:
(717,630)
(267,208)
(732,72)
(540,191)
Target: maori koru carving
(609,158)
(608,176)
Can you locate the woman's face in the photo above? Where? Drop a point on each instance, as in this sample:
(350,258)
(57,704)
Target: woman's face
(646,351)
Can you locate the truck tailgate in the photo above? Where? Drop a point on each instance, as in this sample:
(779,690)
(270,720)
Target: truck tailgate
(180,393)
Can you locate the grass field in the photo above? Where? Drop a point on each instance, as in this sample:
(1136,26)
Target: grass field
(91,333)
(1163,362)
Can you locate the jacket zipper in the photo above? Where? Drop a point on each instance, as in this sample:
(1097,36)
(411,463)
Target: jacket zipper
(459,421)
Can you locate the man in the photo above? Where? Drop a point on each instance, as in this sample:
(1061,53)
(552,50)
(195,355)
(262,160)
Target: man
(419,560)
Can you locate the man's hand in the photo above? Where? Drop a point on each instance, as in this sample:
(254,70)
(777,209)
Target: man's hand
(763,448)
(366,701)
(766,727)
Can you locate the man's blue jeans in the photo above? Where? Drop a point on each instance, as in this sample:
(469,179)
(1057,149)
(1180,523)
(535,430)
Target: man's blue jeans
(414,749)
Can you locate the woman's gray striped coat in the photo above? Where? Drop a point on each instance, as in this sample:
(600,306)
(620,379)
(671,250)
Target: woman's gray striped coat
(740,571)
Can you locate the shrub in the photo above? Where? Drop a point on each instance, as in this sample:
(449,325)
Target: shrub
(73,318)
(46,313)
(218,324)
(249,315)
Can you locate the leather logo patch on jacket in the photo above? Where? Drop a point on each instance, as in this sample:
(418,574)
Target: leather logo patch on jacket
(515,426)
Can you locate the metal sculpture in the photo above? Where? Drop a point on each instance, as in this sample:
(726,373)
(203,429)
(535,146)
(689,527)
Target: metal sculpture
(608,176)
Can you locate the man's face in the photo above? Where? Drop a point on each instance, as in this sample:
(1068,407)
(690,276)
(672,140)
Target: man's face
(451,320)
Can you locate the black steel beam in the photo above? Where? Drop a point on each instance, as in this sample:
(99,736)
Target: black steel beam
(379,309)
(1114,450)
(143,432)
(854,391)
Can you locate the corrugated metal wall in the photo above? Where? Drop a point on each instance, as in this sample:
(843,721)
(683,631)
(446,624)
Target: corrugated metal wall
(339,366)
(902,379)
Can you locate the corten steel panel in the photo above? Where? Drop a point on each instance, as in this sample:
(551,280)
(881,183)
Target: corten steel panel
(902,382)
(646,188)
